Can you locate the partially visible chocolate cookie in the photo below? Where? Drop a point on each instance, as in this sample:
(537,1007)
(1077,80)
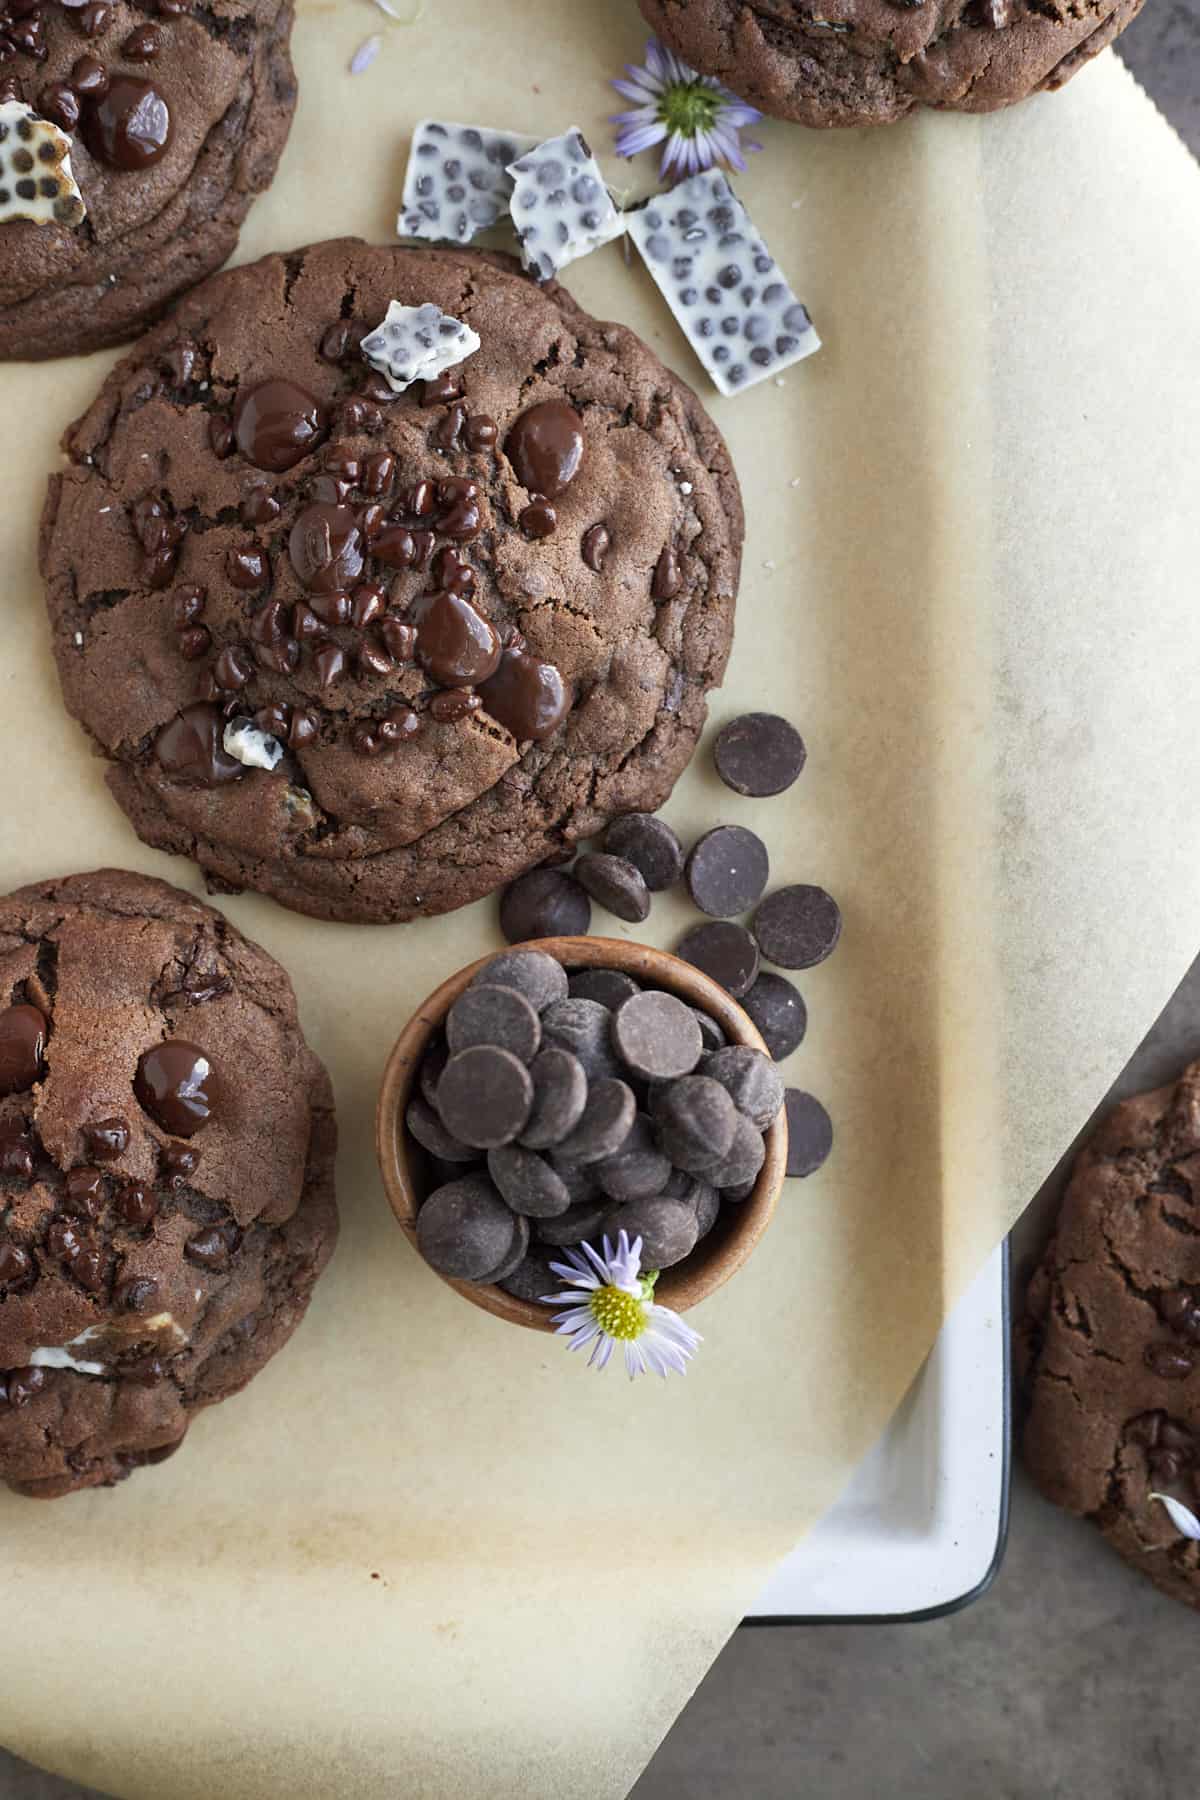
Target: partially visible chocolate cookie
(175,118)
(166,1173)
(1110,1343)
(868,62)
(311,622)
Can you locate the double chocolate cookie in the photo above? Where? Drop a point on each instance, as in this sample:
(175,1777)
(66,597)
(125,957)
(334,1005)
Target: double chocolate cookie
(1111,1340)
(170,116)
(166,1174)
(375,653)
(868,62)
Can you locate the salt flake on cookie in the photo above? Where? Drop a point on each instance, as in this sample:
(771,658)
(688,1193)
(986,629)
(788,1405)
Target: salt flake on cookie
(36,181)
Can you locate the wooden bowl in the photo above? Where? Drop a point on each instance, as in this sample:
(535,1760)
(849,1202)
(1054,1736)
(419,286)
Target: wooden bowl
(402,1162)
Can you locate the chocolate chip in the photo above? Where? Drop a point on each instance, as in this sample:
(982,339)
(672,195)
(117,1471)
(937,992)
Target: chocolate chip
(560,1090)
(84,1192)
(527,1182)
(494,1015)
(639,1169)
(615,884)
(464,1230)
(657,1036)
(1169,1362)
(143,44)
(650,845)
(425,1124)
(174,1083)
(23,1384)
(582,1219)
(696,1122)
(541,978)
(810,1132)
(106,1139)
(724,951)
(138,1294)
(668,1230)
(666,581)
(16,1268)
(751,1080)
(797,927)
(533,1278)
(213,1247)
(544,903)
(759,754)
(597,540)
(136,1204)
(22,1048)
(780,1014)
(485,1096)
(727,871)
(89,1267)
(738,1168)
(608,987)
(538,520)
(583,1027)
(1180,1309)
(16,1151)
(179,1163)
(605,1123)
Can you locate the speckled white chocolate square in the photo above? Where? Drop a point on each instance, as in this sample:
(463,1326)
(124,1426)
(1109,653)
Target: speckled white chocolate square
(415,343)
(560,205)
(721,282)
(36,181)
(457,182)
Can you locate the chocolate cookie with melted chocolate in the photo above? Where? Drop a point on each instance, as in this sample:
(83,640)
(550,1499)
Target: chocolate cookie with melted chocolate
(868,62)
(166,1174)
(174,123)
(322,648)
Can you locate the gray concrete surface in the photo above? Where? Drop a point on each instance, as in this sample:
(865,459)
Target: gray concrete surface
(1072,1679)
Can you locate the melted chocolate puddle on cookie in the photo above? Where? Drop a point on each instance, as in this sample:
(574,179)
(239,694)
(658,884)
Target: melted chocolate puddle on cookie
(192,748)
(277,423)
(528,697)
(545,447)
(174,1083)
(129,126)
(22,1047)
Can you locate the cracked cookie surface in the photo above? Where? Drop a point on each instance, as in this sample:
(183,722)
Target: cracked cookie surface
(167,1200)
(213,81)
(1109,1349)
(868,62)
(463,675)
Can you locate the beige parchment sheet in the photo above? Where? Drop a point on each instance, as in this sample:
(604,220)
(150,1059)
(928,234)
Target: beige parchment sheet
(426,1554)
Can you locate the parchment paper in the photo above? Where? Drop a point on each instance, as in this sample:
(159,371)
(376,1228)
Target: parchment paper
(426,1554)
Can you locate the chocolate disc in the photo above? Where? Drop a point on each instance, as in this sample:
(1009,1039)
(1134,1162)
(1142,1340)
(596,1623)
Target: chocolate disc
(606,1122)
(810,1133)
(583,1027)
(759,754)
(650,845)
(668,1230)
(608,987)
(527,1182)
(657,1036)
(582,1220)
(465,1230)
(798,927)
(727,871)
(616,885)
(560,1090)
(696,1122)
(779,1012)
(750,1079)
(539,977)
(724,951)
(494,1015)
(544,903)
(639,1169)
(424,1123)
(484,1096)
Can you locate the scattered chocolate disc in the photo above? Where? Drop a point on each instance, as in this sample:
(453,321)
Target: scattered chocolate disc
(797,927)
(494,1015)
(668,1230)
(727,871)
(533,1278)
(696,1121)
(639,1169)
(724,951)
(810,1132)
(759,754)
(559,1096)
(527,1182)
(743,1159)
(544,903)
(516,1255)
(606,1122)
(616,885)
(484,1096)
(426,1126)
(657,1036)
(608,987)
(779,1012)
(464,1230)
(584,1028)
(539,977)
(750,1079)
(582,1219)
(650,845)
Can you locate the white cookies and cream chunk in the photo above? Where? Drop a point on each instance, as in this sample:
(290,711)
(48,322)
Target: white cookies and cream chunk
(417,343)
(36,181)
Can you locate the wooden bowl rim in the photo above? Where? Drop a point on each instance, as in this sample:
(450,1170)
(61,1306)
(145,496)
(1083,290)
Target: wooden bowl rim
(681,1290)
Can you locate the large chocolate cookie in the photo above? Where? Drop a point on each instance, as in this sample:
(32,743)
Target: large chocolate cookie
(868,62)
(1111,1340)
(175,115)
(475,620)
(166,1173)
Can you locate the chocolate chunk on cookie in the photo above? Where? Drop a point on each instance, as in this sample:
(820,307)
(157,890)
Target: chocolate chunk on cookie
(166,1173)
(325,644)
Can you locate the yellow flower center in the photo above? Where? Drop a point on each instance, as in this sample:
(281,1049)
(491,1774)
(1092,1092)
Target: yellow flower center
(617,1313)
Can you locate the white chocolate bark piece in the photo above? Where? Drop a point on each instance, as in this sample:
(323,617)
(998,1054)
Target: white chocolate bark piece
(724,287)
(247,744)
(36,181)
(415,343)
(560,205)
(457,182)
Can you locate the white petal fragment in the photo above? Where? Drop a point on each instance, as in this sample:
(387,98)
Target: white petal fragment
(365,55)
(1182,1517)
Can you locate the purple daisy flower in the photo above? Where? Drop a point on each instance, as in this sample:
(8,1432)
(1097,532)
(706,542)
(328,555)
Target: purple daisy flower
(694,117)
